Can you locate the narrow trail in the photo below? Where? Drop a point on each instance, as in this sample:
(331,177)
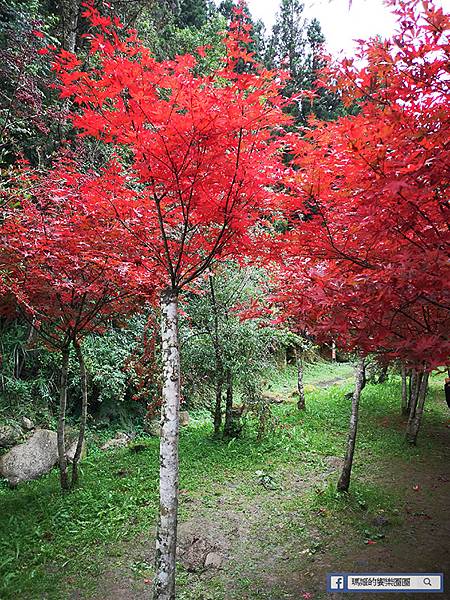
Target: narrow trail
(329,382)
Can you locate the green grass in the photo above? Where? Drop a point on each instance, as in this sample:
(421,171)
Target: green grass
(284,381)
(48,539)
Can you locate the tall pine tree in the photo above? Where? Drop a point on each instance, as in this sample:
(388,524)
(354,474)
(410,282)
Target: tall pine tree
(195,13)
(296,45)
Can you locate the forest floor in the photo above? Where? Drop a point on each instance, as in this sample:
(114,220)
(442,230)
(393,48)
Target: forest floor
(266,514)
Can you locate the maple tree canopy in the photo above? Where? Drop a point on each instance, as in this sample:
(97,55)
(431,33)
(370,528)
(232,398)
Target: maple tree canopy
(368,248)
(60,272)
(196,160)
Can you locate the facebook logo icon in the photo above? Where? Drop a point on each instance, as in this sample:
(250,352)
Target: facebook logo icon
(336,583)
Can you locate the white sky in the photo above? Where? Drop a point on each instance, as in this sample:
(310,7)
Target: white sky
(340,25)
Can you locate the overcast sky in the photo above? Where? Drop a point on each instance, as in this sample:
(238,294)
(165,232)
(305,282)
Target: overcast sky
(340,24)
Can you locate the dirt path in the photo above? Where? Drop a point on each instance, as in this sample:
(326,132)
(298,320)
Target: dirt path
(262,546)
(329,382)
(420,543)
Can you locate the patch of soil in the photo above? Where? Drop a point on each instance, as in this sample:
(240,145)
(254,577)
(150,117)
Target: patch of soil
(329,382)
(421,543)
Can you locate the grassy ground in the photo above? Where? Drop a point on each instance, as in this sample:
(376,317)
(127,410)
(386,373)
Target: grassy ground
(269,509)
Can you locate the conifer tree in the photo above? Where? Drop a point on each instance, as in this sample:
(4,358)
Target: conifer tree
(296,45)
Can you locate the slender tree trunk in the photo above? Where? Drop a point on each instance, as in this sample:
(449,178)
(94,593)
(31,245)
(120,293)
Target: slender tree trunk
(301,405)
(70,10)
(62,458)
(411,385)
(333,351)
(166,539)
(415,419)
(414,385)
(344,480)
(417,384)
(412,376)
(218,405)
(404,391)
(228,426)
(412,400)
(84,410)
(219,362)
(383,374)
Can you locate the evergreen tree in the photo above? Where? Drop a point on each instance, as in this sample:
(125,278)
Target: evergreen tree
(195,13)
(287,44)
(327,104)
(295,45)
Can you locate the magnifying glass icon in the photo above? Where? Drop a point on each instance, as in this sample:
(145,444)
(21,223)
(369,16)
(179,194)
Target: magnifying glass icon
(427,581)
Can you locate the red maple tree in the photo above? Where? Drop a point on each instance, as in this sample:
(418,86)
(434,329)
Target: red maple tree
(366,257)
(200,162)
(63,277)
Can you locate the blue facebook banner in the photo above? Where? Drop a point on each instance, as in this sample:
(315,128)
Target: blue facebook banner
(385,582)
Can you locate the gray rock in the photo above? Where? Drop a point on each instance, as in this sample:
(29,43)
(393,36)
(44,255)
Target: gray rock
(32,459)
(27,424)
(213,560)
(70,453)
(192,555)
(9,435)
(119,441)
(153,428)
(184,418)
